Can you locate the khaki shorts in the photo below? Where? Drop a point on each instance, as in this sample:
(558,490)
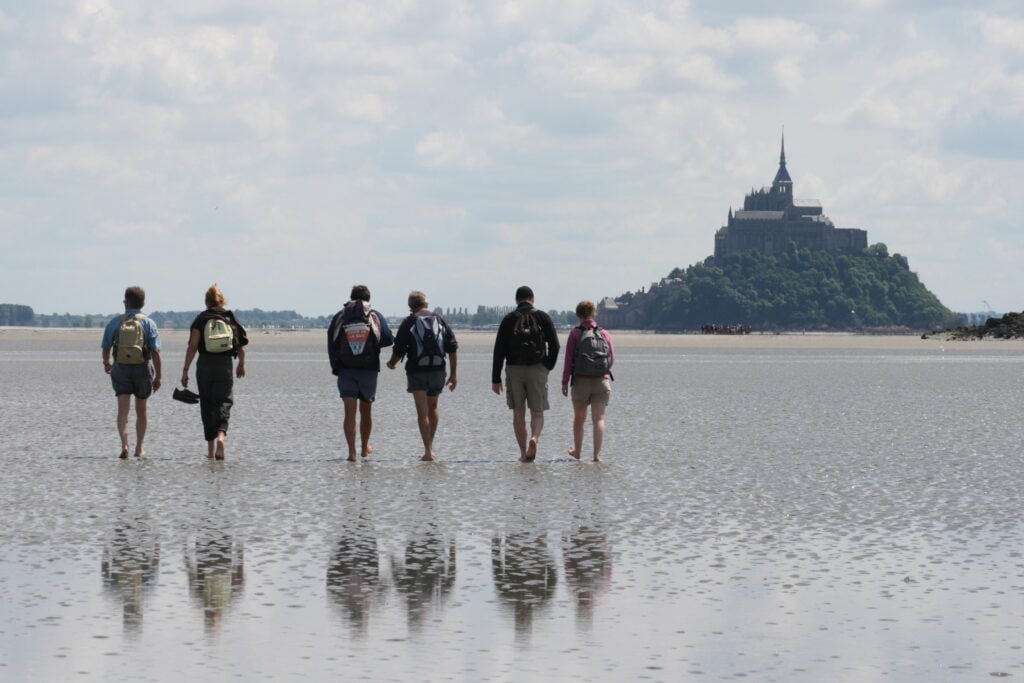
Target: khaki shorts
(591,390)
(527,385)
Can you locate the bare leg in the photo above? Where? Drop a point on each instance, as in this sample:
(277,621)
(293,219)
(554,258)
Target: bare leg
(350,425)
(221,438)
(519,428)
(597,414)
(434,417)
(124,405)
(423,421)
(579,420)
(211,448)
(141,422)
(536,425)
(365,426)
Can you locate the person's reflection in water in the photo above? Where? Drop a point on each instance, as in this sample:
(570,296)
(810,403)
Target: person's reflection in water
(216,571)
(425,577)
(525,575)
(353,577)
(588,570)
(131,562)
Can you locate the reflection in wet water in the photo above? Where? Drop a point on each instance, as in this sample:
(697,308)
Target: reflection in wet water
(424,576)
(130,565)
(771,515)
(215,565)
(353,576)
(525,575)
(587,558)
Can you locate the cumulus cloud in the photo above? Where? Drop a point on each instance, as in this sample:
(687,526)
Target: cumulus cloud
(1004,32)
(275,128)
(450,150)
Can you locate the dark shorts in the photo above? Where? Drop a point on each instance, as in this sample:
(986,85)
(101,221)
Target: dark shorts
(134,380)
(431,382)
(358,383)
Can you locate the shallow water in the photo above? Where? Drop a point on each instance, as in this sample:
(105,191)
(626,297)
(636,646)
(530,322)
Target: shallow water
(770,513)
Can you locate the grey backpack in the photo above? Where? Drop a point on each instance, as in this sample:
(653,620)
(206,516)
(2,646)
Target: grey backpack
(592,357)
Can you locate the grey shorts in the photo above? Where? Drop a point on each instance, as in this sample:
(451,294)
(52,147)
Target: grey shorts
(431,382)
(135,380)
(358,383)
(591,390)
(527,385)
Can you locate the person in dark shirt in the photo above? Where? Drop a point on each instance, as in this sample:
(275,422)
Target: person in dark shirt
(215,376)
(357,373)
(527,345)
(424,339)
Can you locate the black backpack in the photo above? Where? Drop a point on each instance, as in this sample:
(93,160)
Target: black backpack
(357,336)
(527,346)
(592,357)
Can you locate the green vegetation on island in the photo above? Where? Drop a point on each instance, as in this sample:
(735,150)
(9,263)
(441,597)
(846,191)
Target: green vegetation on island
(798,290)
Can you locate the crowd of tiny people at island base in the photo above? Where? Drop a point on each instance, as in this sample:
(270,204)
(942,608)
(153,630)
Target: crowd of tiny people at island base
(718,328)
(526,347)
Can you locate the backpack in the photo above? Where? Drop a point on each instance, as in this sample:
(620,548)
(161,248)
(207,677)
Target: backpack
(527,347)
(130,342)
(592,357)
(357,336)
(218,336)
(429,335)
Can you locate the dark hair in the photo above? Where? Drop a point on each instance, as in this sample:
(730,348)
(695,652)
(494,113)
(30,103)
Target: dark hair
(360,293)
(135,297)
(417,300)
(585,310)
(524,293)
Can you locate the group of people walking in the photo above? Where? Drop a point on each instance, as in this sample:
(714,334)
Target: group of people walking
(526,348)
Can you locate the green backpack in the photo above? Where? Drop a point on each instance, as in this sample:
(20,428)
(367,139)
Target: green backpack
(130,347)
(218,337)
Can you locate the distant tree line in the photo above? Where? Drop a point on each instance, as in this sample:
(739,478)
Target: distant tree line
(801,289)
(486,316)
(23,316)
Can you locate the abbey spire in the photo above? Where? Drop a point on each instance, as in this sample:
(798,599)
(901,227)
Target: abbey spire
(782,176)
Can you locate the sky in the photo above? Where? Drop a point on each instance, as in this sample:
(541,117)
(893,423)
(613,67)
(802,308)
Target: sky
(586,148)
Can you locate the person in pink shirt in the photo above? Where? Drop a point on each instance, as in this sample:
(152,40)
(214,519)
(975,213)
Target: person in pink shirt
(589,356)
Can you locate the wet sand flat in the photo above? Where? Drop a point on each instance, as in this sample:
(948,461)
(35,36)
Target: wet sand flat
(772,508)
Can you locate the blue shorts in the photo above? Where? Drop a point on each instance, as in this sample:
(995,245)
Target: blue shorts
(358,383)
(134,380)
(431,382)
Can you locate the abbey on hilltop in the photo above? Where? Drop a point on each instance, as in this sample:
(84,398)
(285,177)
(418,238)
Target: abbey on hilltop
(771,218)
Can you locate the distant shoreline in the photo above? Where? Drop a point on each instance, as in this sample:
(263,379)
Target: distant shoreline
(175,339)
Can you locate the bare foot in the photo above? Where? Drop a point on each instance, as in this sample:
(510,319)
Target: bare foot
(140,454)
(351,457)
(429,457)
(124,452)
(367,450)
(219,453)
(531,450)
(572,451)
(597,458)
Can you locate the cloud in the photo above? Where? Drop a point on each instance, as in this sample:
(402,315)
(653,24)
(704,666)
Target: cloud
(1004,32)
(290,133)
(788,74)
(450,150)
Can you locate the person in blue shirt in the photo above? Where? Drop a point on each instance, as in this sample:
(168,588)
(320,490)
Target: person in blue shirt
(354,340)
(131,356)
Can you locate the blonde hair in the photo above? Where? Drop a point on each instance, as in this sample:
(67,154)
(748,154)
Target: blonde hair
(215,297)
(585,310)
